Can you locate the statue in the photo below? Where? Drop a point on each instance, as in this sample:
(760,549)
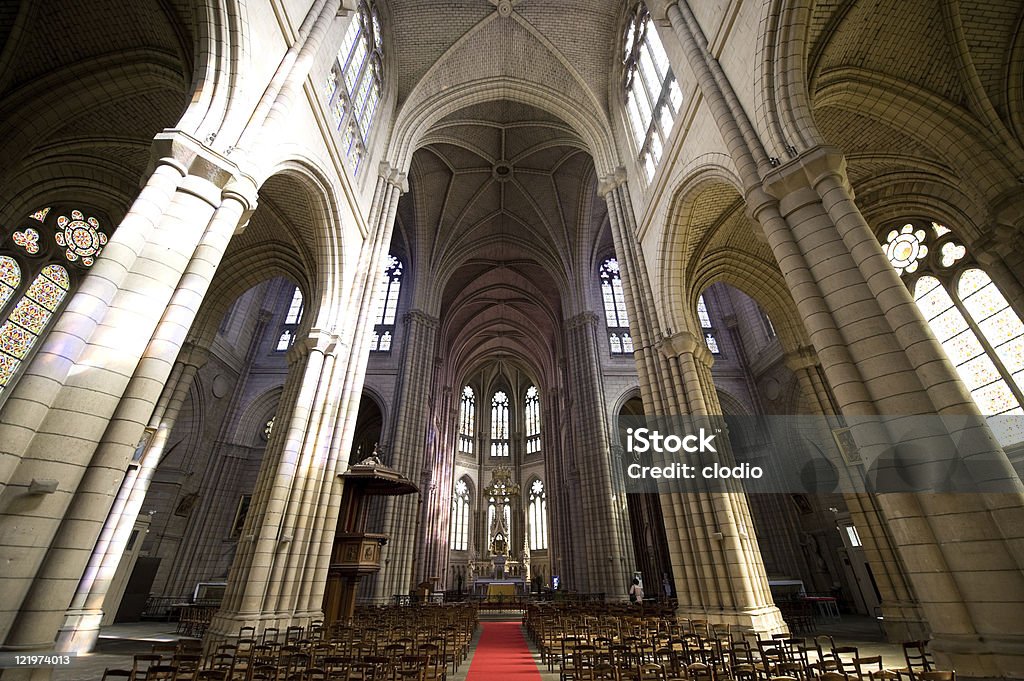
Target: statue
(499,511)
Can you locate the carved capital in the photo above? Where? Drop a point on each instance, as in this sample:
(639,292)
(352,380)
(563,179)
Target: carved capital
(806,171)
(242,189)
(802,358)
(686,343)
(394,176)
(582,319)
(611,182)
(191,157)
(420,317)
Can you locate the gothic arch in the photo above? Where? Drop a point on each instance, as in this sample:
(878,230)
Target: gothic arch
(327,267)
(243,271)
(680,240)
(414,122)
(248,427)
(750,274)
(780,87)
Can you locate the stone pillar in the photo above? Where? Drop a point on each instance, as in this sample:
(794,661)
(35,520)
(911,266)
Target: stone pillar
(35,393)
(101,411)
(606,549)
(280,569)
(277,528)
(432,558)
(411,432)
(717,565)
(722,575)
(225,461)
(81,626)
(879,357)
(902,617)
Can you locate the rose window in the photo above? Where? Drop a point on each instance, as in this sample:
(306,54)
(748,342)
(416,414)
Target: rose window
(82,237)
(905,248)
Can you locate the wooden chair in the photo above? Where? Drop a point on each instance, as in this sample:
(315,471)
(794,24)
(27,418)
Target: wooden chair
(865,667)
(109,673)
(917,657)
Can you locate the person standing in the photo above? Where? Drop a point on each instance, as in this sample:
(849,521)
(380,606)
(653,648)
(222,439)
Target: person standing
(636,592)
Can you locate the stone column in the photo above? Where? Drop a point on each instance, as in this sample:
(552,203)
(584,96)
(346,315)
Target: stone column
(277,526)
(411,431)
(81,626)
(722,576)
(280,569)
(879,357)
(605,546)
(898,368)
(432,558)
(902,617)
(35,393)
(101,411)
(225,461)
(717,565)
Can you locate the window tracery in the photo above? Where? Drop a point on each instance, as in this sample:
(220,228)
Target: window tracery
(467,420)
(532,420)
(537,514)
(39,265)
(460,517)
(355,83)
(615,315)
(972,320)
(653,97)
(387,306)
(499,424)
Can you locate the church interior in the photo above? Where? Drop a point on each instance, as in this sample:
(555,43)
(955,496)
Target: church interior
(321,322)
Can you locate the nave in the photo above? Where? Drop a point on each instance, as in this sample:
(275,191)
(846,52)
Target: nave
(575,641)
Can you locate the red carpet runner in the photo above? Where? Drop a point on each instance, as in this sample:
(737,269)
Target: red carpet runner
(502,655)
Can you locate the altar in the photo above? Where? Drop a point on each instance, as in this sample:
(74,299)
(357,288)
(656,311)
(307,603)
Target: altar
(496,589)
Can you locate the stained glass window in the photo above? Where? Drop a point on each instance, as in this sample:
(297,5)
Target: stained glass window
(40,214)
(268,428)
(387,305)
(532,419)
(972,320)
(360,67)
(28,239)
(460,517)
(467,420)
(653,97)
(769,328)
(615,315)
(704,317)
(81,237)
(292,317)
(10,278)
(537,517)
(29,318)
(499,424)
(905,247)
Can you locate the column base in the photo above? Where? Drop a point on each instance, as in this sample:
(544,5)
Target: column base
(225,626)
(765,620)
(80,632)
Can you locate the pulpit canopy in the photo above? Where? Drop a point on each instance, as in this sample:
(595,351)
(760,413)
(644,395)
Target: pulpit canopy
(374,478)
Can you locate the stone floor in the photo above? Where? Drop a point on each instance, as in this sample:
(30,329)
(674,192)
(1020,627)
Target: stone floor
(119,642)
